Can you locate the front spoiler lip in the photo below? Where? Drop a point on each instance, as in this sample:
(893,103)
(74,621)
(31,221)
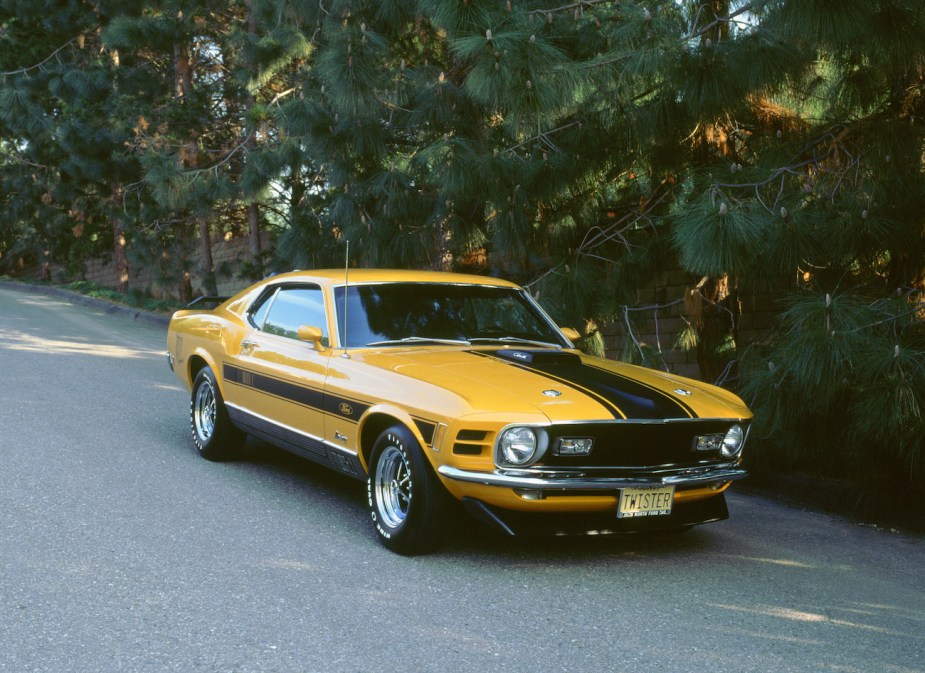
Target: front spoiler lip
(582,482)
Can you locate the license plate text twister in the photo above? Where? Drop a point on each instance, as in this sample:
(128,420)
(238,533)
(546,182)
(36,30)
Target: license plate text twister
(645,501)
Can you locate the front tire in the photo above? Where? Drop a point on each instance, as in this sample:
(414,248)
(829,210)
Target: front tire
(213,434)
(407,502)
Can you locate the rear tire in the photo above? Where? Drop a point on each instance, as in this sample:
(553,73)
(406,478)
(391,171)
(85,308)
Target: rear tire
(407,502)
(213,433)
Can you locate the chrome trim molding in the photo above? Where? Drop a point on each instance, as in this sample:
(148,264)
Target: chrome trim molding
(745,422)
(439,433)
(644,421)
(330,445)
(580,481)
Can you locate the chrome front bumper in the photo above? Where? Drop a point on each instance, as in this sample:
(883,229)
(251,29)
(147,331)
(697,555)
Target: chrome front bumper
(582,481)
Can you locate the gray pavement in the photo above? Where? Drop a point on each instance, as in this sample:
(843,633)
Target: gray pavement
(122,550)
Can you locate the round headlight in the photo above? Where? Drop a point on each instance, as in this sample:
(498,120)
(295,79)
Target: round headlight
(733,441)
(518,445)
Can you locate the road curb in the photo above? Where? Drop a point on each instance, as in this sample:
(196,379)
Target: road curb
(109,307)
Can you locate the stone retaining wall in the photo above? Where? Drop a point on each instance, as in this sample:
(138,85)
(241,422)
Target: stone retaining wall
(227,254)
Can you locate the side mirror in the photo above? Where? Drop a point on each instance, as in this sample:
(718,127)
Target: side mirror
(571,334)
(312,335)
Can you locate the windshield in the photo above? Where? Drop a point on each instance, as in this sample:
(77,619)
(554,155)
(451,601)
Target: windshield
(389,313)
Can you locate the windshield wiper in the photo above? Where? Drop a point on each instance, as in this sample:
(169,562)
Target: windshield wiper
(515,340)
(417,340)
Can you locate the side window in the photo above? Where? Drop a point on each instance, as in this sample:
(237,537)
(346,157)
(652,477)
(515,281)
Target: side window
(258,312)
(294,307)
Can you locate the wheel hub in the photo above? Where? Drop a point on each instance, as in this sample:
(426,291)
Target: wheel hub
(393,486)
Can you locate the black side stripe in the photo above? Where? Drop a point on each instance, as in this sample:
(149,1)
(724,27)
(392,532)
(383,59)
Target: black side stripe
(313,398)
(307,397)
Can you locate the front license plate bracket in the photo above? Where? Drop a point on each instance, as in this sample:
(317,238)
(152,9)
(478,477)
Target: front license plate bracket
(645,501)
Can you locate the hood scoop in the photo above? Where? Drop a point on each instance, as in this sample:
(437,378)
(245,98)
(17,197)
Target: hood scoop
(540,357)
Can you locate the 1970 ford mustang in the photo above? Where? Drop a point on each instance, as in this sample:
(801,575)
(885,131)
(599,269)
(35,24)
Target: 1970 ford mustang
(439,388)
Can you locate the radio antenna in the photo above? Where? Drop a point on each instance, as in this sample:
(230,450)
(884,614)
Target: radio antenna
(346,287)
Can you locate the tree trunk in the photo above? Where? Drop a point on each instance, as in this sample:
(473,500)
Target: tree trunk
(183,77)
(253,209)
(714,307)
(209,285)
(253,226)
(186,288)
(298,216)
(120,257)
(118,240)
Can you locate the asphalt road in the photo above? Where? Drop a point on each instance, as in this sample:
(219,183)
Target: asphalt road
(122,550)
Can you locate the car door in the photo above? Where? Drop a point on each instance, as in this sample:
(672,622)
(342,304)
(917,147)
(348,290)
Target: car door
(276,379)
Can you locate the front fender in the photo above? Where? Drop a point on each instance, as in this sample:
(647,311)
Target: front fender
(382,416)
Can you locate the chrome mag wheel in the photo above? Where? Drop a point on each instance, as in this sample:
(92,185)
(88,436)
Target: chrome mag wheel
(393,486)
(204,410)
(214,435)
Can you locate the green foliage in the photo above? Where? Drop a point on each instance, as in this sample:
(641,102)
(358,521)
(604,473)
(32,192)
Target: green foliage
(843,382)
(585,149)
(714,238)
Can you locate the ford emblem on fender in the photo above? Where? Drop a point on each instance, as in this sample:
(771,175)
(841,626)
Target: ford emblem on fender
(684,393)
(551,393)
(346,409)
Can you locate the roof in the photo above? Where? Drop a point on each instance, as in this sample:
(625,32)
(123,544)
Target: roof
(337,276)
(333,277)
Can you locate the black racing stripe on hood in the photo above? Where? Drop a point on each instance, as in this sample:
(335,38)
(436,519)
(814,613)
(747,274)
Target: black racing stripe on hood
(623,396)
(668,401)
(551,375)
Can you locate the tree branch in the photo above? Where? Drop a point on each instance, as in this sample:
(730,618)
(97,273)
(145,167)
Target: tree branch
(581,4)
(39,65)
(724,19)
(544,136)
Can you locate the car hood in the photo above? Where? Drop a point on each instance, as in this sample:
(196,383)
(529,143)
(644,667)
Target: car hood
(562,385)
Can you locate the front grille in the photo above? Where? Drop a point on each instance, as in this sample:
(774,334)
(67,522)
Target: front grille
(627,444)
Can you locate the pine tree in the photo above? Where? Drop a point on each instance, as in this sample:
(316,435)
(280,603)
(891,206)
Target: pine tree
(59,167)
(179,138)
(763,144)
(268,54)
(582,148)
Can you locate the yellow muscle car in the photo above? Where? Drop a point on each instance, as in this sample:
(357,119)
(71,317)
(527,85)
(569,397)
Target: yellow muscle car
(437,387)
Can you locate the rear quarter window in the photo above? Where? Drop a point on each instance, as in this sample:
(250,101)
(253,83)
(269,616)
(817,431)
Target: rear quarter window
(257,313)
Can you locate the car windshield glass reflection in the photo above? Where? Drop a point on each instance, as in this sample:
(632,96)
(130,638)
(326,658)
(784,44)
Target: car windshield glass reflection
(396,313)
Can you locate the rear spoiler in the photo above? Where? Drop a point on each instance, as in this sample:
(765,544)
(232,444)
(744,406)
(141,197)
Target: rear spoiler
(206,302)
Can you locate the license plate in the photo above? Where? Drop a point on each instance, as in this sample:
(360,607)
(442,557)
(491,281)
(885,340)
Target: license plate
(645,501)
